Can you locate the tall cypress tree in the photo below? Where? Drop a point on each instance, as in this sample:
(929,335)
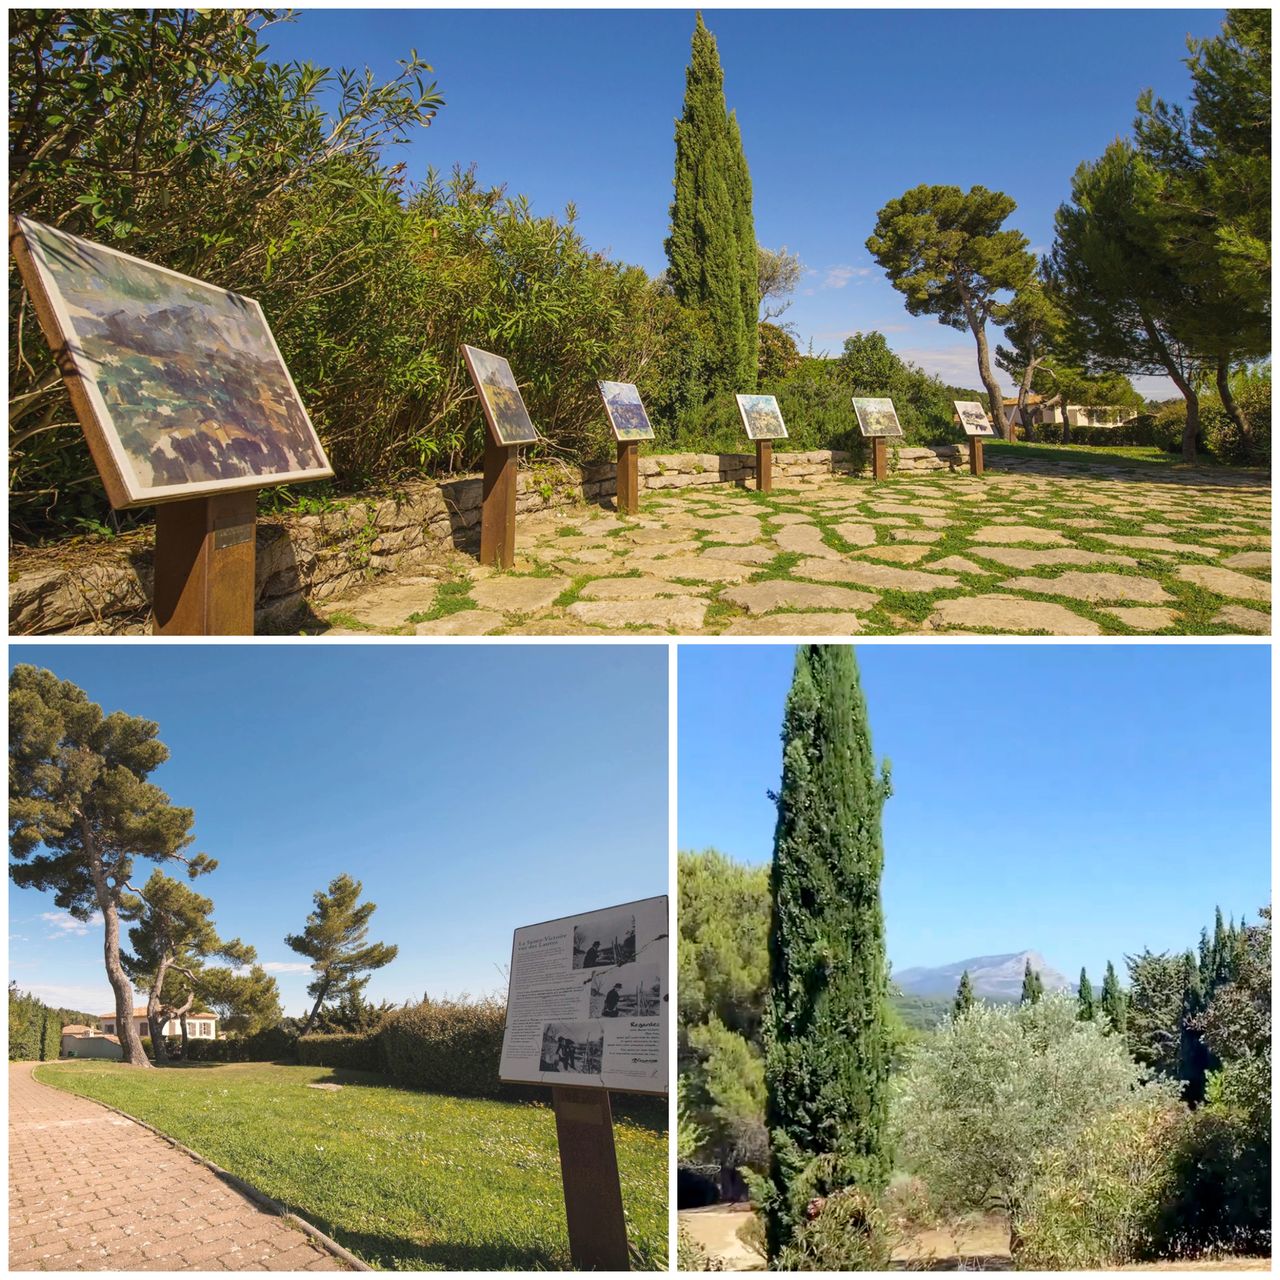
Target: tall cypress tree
(1085,997)
(711,251)
(1113,1003)
(1032,986)
(826,1035)
(1193,1057)
(964,996)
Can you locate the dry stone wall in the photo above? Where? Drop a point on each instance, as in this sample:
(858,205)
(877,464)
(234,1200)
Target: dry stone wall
(104,588)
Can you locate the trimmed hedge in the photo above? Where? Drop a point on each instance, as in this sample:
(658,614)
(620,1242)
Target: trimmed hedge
(35,1029)
(446,1046)
(266,1046)
(346,1052)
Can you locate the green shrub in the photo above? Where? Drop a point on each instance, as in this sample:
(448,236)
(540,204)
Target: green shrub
(35,1028)
(272,1045)
(691,1256)
(446,1046)
(1150,431)
(1096,1201)
(349,1052)
(845,1231)
(1225,440)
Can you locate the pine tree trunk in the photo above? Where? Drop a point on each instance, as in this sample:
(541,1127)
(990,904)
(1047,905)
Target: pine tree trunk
(315,1010)
(131,1051)
(1232,407)
(989,383)
(154,1021)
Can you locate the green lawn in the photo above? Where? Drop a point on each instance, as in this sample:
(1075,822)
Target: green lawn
(405,1180)
(1108,455)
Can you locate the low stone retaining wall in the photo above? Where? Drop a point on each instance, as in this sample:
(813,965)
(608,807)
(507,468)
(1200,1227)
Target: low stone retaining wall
(104,588)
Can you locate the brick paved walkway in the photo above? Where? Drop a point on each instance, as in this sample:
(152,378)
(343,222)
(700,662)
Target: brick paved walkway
(92,1191)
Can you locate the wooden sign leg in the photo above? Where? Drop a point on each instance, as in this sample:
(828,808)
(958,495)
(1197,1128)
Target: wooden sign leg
(628,477)
(879,458)
(589,1172)
(764,466)
(498,508)
(975,455)
(204,566)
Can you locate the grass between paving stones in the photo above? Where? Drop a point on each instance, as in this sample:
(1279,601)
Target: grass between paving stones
(405,1180)
(898,611)
(451,597)
(348,621)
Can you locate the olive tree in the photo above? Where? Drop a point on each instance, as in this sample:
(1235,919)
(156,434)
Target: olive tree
(990,1093)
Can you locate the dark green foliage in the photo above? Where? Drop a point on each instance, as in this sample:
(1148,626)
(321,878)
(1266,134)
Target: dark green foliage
(964,996)
(1032,986)
(826,1039)
(1084,996)
(355,1052)
(446,1046)
(336,941)
(711,251)
(274,1044)
(1113,1005)
(35,1029)
(779,357)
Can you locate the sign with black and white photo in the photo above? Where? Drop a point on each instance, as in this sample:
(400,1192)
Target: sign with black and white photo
(973,418)
(588,1001)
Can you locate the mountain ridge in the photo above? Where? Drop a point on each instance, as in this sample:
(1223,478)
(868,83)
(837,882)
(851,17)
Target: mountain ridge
(994,977)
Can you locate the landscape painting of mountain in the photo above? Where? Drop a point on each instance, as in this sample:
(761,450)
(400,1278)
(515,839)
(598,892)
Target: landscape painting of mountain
(500,395)
(762,418)
(626,411)
(876,416)
(184,379)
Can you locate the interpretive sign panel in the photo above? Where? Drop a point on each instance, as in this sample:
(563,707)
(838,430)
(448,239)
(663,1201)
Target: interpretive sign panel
(762,417)
(973,418)
(588,1001)
(626,411)
(876,416)
(500,397)
(178,385)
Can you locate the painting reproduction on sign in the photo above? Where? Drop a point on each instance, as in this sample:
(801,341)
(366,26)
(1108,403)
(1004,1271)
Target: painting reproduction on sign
(973,418)
(178,384)
(626,411)
(762,417)
(876,416)
(504,407)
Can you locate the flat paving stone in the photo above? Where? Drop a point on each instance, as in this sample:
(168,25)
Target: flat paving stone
(804,538)
(1002,534)
(1249,560)
(796,624)
(855,534)
(517,595)
(683,614)
(1250,621)
(1144,617)
(1008,613)
(646,588)
(466,622)
(957,564)
(739,555)
(1029,558)
(1144,543)
(388,605)
(895,554)
(695,568)
(873,575)
(779,593)
(1098,588)
(1224,582)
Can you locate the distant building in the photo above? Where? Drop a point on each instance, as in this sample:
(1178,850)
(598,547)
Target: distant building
(1044,413)
(200,1026)
(79,1041)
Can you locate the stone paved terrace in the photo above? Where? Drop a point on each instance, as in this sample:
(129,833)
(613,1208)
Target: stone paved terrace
(92,1191)
(1047,549)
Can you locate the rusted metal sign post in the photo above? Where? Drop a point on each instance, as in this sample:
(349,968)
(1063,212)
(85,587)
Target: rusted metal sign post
(630,423)
(764,466)
(509,426)
(878,421)
(198,448)
(587,1013)
(976,425)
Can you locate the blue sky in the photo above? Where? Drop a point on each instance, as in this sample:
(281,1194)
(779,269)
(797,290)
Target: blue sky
(840,111)
(472,788)
(1084,801)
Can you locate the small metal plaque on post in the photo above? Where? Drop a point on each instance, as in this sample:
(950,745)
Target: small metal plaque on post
(587,1012)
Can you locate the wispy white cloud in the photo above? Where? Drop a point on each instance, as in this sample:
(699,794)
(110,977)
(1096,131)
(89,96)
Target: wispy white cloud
(286,966)
(838,276)
(61,923)
(94,999)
